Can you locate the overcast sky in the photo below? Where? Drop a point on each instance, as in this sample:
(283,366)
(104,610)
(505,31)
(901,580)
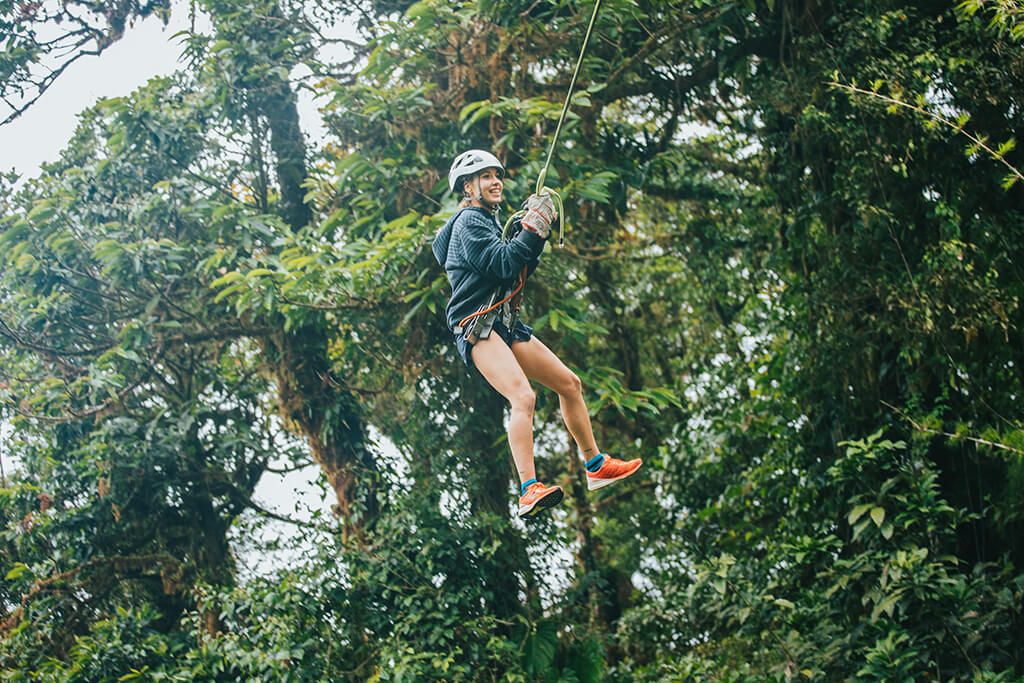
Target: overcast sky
(38,135)
(146,50)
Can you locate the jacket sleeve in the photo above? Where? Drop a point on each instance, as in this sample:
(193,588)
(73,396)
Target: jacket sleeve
(532,266)
(484,251)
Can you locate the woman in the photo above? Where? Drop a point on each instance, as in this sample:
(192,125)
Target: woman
(486,274)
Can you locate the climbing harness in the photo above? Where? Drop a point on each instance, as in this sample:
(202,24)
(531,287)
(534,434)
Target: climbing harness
(541,188)
(478,325)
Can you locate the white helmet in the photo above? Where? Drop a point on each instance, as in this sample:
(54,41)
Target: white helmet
(470,163)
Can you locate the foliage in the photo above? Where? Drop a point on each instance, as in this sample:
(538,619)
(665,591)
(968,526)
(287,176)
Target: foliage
(799,303)
(870,589)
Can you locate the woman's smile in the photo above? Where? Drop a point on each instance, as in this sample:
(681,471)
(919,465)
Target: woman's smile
(491,186)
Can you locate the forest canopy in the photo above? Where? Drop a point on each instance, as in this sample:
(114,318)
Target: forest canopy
(792,284)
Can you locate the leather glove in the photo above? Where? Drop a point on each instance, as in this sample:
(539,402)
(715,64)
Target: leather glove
(540,214)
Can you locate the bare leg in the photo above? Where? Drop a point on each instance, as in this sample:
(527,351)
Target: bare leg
(496,362)
(541,364)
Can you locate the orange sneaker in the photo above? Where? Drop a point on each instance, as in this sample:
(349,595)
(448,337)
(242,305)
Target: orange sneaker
(538,497)
(611,470)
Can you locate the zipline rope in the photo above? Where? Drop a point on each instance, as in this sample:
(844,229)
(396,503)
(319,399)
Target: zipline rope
(568,100)
(541,188)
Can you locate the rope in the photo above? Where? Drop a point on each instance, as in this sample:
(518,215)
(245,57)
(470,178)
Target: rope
(541,188)
(568,99)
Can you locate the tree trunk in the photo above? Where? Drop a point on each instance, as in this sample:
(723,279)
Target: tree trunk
(311,400)
(314,404)
(289,147)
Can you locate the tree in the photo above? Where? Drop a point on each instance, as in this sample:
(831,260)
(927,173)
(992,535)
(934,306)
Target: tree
(111,327)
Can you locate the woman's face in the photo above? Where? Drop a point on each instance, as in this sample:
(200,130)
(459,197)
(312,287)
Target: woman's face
(490,186)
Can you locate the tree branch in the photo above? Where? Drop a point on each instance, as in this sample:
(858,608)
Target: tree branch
(974,439)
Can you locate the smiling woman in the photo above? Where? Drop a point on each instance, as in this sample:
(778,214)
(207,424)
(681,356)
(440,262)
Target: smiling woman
(487,274)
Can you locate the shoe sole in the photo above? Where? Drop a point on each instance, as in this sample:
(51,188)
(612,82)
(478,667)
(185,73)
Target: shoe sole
(548,501)
(594,483)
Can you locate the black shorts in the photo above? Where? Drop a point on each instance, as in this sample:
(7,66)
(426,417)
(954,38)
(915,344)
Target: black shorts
(520,332)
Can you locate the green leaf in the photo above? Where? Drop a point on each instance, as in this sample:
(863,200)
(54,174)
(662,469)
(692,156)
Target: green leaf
(857,512)
(419,9)
(332,221)
(228,291)
(541,647)
(233,276)
(888,605)
(402,221)
(476,116)
(258,273)
(17,572)
(42,210)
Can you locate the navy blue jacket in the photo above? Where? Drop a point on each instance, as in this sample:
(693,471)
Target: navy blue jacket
(470,249)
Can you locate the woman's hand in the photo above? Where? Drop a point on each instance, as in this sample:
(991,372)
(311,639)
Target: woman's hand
(540,214)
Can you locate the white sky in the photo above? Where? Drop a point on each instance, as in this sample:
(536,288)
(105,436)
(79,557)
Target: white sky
(38,135)
(146,51)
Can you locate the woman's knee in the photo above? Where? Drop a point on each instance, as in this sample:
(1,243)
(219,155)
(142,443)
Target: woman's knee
(523,399)
(569,384)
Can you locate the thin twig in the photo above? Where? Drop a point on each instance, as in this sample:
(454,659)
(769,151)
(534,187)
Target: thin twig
(935,117)
(279,517)
(920,427)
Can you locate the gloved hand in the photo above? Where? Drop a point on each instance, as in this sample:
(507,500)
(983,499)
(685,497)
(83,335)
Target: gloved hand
(540,214)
